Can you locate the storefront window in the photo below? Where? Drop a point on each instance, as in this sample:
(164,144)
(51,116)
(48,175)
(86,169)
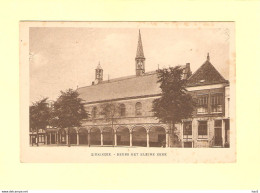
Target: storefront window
(203,130)
(187,130)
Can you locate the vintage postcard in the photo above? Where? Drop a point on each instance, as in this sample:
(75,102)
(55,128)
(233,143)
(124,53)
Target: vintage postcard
(146,92)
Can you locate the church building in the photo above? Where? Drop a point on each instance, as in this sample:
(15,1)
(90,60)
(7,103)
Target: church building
(132,123)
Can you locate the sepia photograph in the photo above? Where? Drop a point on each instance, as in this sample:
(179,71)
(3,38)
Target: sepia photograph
(139,96)
(154,86)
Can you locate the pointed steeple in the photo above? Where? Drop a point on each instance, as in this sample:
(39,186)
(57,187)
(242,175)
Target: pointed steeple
(99,66)
(139,52)
(140,59)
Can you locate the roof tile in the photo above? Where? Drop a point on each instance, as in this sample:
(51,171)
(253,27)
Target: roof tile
(205,75)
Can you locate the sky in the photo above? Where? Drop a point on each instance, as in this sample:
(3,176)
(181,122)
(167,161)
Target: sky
(66,57)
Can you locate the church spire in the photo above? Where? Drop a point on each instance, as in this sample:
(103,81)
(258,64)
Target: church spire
(99,66)
(139,59)
(139,52)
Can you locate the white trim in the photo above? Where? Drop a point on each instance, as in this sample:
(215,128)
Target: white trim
(202,139)
(205,87)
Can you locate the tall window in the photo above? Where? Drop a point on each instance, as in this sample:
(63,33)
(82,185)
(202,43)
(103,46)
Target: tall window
(187,130)
(202,102)
(216,103)
(41,138)
(138,109)
(122,110)
(63,136)
(94,112)
(203,130)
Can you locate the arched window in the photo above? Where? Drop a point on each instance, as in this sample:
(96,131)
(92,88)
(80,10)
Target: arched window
(122,110)
(94,112)
(138,109)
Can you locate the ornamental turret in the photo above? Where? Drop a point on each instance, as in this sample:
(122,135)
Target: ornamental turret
(99,74)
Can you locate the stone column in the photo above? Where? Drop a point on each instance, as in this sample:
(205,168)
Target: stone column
(57,137)
(167,139)
(147,138)
(46,139)
(181,126)
(50,138)
(67,138)
(89,138)
(77,138)
(131,138)
(115,138)
(101,138)
(31,139)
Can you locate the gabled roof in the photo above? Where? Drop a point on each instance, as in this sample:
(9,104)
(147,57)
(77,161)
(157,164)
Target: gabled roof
(205,75)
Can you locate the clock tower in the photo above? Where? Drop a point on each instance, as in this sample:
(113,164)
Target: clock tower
(99,74)
(140,59)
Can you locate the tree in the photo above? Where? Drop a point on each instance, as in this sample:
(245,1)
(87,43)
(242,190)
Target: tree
(69,111)
(39,116)
(110,110)
(175,103)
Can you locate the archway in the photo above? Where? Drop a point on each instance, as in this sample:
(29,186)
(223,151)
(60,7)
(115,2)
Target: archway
(83,136)
(62,136)
(95,136)
(139,136)
(123,136)
(73,136)
(157,136)
(108,136)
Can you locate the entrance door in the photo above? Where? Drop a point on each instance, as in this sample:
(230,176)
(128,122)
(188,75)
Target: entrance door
(218,137)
